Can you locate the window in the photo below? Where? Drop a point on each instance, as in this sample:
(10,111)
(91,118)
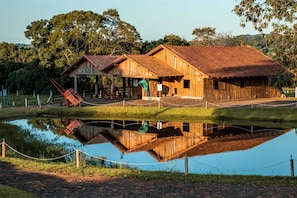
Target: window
(186,127)
(243,83)
(215,84)
(187,84)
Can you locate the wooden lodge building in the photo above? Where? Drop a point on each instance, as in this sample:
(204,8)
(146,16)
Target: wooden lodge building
(196,72)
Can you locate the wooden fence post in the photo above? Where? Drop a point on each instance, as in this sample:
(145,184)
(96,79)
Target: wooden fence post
(3,149)
(77,158)
(292,166)
(186,165)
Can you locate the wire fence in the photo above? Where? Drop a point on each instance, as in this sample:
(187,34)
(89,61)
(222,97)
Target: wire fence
(80,156)
(57,100)
(198,103)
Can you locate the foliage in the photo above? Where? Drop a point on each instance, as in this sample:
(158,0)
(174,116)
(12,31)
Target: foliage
(28,143)
(281,79)
(12,58)
(65,37)
(284,39)
(281,16)
(207,36)
(10,192)
(58,42)
(262,12)
(166,40)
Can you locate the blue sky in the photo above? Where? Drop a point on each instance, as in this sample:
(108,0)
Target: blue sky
(153,19)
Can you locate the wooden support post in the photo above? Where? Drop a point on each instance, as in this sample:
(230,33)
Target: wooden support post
(186,165)
(3,149)
(38,101)
(75,83)
(292,166)
(77,158)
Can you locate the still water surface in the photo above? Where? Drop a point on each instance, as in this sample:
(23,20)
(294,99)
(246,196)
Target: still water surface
(211,149)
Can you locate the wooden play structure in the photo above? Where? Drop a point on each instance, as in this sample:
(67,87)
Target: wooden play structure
(69,94)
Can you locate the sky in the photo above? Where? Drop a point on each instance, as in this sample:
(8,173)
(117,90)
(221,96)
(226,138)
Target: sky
(153,19)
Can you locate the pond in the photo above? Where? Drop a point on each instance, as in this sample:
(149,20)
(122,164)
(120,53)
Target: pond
(155,145)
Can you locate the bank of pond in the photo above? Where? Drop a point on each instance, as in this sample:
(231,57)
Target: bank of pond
(206,147)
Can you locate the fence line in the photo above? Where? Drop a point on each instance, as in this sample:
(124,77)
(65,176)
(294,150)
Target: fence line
(252,169)
(202,104)
(78,156)
(168,103)
(122,163)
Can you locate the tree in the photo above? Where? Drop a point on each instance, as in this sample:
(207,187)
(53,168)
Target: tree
(281,16)
(262,12)
(170,39)
(65,37)
(28,78)
(174,40)
(203,36)
(120,37)
(281,79)
(207,36)
(14,57)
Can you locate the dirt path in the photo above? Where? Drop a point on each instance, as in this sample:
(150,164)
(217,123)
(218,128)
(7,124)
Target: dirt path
(55,185)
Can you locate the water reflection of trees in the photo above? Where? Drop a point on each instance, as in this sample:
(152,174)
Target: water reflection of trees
(28,143)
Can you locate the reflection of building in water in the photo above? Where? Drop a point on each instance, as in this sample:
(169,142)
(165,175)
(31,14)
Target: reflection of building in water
(170,140)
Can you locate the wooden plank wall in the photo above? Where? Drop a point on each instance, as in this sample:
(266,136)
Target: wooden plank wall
(85,68)
(131,69)
(190,73)
(131,139)
(230,89)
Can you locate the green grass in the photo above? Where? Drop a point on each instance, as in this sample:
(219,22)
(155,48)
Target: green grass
(266,116)
(10,192)
(272,117)
(19,101)
(70,168)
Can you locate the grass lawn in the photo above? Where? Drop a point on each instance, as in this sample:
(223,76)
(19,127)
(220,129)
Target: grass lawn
(10,192)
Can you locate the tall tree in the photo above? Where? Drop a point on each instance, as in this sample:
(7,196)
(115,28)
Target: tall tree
(262,12)
(284,39)
(14,57)
(120,37)
(281,16)
(65,37)
(170,39)
(207,36)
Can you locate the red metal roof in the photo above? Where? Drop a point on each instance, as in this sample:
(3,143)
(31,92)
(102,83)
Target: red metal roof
(98,61)
(224,62)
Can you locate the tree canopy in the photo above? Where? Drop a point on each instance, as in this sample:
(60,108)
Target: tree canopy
(207,36)
(65,37)
(281,17)
(263,12)
(170,39)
